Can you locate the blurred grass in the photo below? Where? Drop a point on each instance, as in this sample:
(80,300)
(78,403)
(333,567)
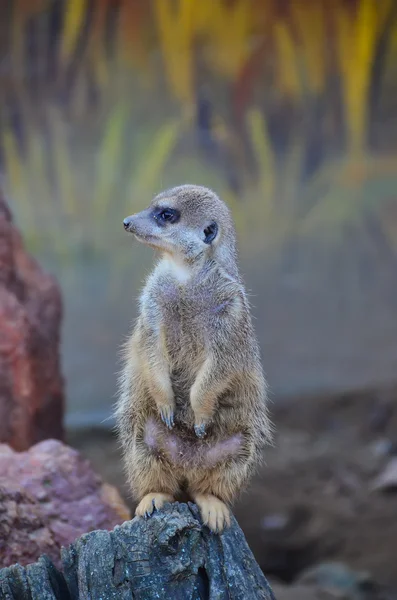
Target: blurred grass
(101,106)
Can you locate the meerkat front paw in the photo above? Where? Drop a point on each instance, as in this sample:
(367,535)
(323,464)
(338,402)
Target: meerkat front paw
(201,421)
(200,430)
(150,502)
(214,512)
(167,415)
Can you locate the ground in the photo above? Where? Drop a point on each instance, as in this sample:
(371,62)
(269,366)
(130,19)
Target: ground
(315,499)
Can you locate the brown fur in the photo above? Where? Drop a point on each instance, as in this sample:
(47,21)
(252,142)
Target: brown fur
(192,358)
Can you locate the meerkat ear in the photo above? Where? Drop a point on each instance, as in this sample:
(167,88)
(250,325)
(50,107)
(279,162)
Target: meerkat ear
(210,232)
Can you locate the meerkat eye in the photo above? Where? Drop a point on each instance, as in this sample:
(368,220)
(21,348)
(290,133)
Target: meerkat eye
(167,215)
(210,232)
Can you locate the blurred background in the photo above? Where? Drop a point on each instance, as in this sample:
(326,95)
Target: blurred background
(288,109)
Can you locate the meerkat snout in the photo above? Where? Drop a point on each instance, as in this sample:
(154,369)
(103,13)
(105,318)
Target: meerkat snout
(127,223)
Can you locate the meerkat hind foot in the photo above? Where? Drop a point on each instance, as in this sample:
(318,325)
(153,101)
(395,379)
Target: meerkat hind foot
(154,500)
(214,512)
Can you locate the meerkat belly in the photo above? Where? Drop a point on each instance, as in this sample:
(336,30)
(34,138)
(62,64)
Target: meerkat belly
(186,451)
(185,361)
(184,351)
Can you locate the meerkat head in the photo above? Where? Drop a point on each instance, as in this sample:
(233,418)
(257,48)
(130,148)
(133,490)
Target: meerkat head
(188,223)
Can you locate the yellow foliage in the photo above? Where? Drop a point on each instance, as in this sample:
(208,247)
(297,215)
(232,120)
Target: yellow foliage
(181,36)
(175,22)
(14,169)
(310,42)
(288,74)
(131,43)
(357,38)
(224,27)
(229,31)
(74,18)
(264,156)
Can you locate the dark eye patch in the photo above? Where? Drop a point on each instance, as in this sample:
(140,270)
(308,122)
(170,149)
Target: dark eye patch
(166,215)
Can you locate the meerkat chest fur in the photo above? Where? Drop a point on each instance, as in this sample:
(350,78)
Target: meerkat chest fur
(184,309)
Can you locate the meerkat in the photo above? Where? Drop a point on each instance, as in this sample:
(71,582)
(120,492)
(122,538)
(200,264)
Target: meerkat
(192,408)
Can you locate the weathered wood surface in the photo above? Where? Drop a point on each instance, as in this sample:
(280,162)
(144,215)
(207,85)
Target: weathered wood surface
(168,556)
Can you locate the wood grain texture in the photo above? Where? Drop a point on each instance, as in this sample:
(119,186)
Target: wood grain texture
(169,555)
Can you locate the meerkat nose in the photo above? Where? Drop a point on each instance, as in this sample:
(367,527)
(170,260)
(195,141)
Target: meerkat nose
(127,223)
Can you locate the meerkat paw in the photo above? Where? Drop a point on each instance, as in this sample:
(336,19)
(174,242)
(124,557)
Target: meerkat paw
(199,430)
(214,512)
(200,425)
(167,415)
(151,502)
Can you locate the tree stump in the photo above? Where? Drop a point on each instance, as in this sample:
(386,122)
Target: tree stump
(169,556)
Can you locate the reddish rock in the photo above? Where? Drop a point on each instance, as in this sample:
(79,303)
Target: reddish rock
(49,496)
(22,528)
(31,385)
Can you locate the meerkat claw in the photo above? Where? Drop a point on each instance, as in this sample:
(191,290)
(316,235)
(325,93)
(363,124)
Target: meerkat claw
(214,512)
(167,416)
(200,430)
(150,511)
(152,502)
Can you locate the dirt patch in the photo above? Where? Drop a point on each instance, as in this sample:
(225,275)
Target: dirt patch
(314,500)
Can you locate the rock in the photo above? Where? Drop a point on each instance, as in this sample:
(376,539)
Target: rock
(23,533)
(294,592)
(337,580)
(333,581)
(335,577)
(31,385)
(381,413)
(387,479)
(293,539)
(382,448)
(49,496)
(111,497)
(169,555)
